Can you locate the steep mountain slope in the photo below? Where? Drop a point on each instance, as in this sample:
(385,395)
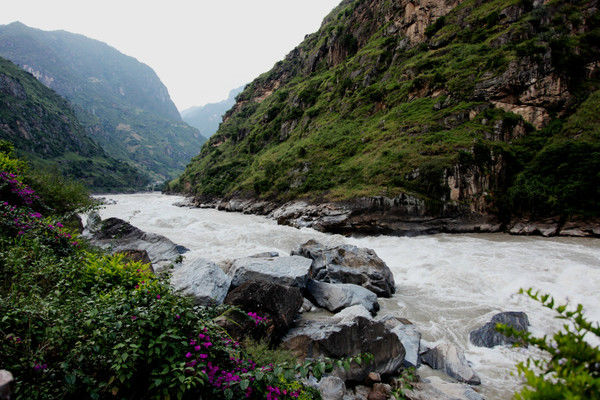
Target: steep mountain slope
(121,101)
(445,107)
(44,128)
(208,117)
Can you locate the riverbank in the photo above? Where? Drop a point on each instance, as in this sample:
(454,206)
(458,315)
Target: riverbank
(403,215)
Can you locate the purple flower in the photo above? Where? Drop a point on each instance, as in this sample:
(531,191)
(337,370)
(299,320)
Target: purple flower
(133,317)
(158,296)
(188,355)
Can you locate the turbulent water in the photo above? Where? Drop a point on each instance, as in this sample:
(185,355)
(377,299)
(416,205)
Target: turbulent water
(447,285)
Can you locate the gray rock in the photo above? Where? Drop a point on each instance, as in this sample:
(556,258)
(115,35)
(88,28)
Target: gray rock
(410,337)
(487,336)
(307,305)
(266,254)
(435,388)
(335,297)
(289,271)
(203,280)
(332,388)
(347,315)
(7,383)
(345,338)
(348,264)
(117,235)
(451,360)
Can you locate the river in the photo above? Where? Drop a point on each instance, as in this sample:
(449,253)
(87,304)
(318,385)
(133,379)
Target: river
(446,284)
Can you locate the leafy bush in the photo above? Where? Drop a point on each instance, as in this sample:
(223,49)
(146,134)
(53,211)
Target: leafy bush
(572,368)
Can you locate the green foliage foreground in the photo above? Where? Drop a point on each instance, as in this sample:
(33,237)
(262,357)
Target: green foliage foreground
(572,368)
(76,323)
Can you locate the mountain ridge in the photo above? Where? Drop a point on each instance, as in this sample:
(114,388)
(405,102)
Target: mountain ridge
(121,101)
(463,105)
(43,128)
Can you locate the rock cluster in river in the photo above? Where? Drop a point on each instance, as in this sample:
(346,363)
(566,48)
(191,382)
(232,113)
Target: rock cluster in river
(344,280)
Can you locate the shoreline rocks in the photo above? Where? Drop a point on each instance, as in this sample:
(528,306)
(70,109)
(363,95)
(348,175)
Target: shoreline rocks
(116,235)
(403,215)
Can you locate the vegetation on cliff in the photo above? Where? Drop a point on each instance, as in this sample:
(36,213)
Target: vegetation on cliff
(121,102)
(44,128)
(475,102)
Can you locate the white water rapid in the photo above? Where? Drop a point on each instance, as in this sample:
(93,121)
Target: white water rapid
(447,285)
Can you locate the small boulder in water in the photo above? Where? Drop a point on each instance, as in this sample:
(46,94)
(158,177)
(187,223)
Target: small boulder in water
(434,387)
(487,336)
(451,360)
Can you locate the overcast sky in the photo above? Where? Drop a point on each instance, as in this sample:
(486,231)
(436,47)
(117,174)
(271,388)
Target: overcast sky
(200,49)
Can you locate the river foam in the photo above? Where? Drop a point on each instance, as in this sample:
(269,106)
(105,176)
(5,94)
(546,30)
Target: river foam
(447,285)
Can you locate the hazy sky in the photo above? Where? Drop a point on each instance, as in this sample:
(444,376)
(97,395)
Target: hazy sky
(200,49)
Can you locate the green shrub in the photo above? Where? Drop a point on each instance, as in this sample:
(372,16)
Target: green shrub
(571,369)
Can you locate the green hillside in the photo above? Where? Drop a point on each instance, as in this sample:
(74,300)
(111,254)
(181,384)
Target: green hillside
(122,103)
(486,104)
(44,128)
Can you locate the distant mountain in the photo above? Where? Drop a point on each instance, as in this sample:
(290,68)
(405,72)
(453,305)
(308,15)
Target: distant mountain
(208,117)
(122,103)
(44,128)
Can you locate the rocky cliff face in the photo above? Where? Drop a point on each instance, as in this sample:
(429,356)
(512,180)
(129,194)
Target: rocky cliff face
(122,102)
(43,127)
(466,106)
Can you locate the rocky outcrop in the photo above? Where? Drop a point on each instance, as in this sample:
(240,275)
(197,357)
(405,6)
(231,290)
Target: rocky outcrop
(451,360)
(487,336)
(289,271)
(348,337)
(335,297)
(117,235)
(278,303)
(7,384)
(436,388)
(202,280)
(348,264)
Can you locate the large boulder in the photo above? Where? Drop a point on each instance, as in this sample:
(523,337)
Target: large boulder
(278,303)
(203,280)
(434,387)
(451,360)
(345,337)
(348,264)
(288,271)
(487,336)
(7,383)
(335,297)
(117,235)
